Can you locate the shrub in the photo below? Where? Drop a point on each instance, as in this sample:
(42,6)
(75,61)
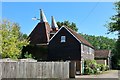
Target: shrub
(88,70)
(107,68)
(103,67)
(28,55)
(91,67)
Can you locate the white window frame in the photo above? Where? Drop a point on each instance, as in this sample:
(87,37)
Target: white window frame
(89,50)
(82,48)
(63,39)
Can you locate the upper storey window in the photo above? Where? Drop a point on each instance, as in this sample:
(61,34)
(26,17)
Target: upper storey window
(63,38)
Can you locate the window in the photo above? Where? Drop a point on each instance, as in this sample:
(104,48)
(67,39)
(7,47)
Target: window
(90,50)
(82,48)
(63,38)
(87,48)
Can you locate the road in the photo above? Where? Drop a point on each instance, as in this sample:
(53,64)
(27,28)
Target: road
(106,74)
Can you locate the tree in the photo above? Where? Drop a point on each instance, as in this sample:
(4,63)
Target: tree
(68,24)
(24,36)
(100,42)
(12,42)
(114,26)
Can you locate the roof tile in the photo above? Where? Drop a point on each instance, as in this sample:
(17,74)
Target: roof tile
(102,53)
(79,37)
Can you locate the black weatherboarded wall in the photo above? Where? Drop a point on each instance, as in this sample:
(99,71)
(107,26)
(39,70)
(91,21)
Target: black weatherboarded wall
(69,50)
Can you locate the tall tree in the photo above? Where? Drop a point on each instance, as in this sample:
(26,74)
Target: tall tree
(114,26)
(12,42)
(68,24)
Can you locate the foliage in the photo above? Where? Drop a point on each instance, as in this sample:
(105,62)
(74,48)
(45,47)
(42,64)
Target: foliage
(91,67)
(23,36)
(116,56)
(68,24)
(12,40)
(100,42)
(28,55)
(88,70)
(103,67)
(114,26)
(107,68)
(34,50)
(90,62)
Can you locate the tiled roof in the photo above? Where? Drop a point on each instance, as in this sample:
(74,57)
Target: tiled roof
(79,37)
(40,33)
(102,53)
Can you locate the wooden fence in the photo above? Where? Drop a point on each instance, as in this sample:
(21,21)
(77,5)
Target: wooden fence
(34,69)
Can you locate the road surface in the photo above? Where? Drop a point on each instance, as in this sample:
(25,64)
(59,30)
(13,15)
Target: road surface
(106,74)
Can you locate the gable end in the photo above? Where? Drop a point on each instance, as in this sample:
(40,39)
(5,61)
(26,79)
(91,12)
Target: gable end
(68,31)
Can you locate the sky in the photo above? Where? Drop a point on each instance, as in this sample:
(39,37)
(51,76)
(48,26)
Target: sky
(90,17)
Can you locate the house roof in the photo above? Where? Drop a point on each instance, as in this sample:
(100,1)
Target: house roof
(40,33)
(76,35)
(79,37)
(102,53)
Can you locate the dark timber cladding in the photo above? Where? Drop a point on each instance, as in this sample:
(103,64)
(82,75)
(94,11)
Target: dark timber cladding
(69,50)
(40,33)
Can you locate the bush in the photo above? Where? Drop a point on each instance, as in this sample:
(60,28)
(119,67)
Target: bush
(28,55)
(91,67)
(103,67)
(88,70)
(107,68)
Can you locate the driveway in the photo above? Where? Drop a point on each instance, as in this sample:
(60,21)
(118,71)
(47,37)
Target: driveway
(106,74)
